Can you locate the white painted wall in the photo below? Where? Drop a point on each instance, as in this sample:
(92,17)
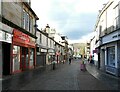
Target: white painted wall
(44,40)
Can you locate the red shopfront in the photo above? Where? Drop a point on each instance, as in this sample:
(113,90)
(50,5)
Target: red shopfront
(23,52)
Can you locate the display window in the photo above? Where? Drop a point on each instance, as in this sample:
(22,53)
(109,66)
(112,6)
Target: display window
(16,58)
(111,56)
(31,56)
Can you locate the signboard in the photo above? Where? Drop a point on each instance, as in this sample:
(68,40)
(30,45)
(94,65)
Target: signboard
(6,37)
(21,37)
(43,50)
(111,37)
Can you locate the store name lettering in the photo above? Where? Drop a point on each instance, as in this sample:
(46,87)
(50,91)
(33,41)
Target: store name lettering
(21,36)
(115,36)
(24,37)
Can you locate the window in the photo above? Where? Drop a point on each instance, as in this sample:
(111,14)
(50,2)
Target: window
(50,43)
(31,24)
(100,30)
(16,58)
(40,38)
(25,23)
(116,15)
(31,56)
(111,56)
(47,41)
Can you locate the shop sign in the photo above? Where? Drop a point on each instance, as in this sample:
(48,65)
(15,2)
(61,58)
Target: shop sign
(22,38)
(111,37)
(43,50)
(5,36)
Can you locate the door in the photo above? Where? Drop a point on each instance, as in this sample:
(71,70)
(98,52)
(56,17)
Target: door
(6,57)
(24,58)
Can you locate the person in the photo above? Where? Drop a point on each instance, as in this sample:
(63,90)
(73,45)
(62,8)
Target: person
(70,60)
(83,65)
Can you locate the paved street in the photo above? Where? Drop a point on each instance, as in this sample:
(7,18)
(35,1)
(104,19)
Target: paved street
(65,77)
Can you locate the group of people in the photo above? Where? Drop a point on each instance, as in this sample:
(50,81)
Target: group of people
(91,59)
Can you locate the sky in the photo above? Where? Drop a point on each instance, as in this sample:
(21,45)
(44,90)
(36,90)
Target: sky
(73,18)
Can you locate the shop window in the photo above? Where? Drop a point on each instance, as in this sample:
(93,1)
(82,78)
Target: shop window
(111,56)
(31,57)
(16,58)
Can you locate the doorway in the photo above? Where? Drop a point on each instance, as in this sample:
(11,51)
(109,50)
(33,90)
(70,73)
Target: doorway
(6,57)
(24,58)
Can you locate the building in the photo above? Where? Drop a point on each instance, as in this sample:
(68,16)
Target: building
(59,52)
(18,37)
(65,48)
(70,50)
(88,49)
(93,51)
(108,37)
(79,50)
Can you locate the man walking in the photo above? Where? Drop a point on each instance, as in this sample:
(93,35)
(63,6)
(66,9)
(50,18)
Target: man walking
(70,60)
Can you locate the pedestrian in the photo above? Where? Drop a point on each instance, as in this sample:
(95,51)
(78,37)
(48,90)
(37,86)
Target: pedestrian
(83,65)
(70,60)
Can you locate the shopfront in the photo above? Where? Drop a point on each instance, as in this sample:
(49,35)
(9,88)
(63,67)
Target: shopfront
(111,50)
(118,58)
(23,53)
(5,48)
(51,55)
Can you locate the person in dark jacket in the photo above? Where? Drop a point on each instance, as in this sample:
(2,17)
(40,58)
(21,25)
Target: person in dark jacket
(70,60)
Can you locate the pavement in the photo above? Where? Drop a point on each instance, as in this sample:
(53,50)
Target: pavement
(107,78)
(64,77)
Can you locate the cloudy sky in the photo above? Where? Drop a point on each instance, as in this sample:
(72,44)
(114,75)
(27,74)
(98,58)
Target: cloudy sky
(74,18)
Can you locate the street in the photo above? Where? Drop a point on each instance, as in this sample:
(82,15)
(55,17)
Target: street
(64,77)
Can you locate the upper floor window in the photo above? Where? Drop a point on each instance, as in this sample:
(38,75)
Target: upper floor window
(100,29)
(25,22)
(47,41)
(50,43)
(40,38)
(116,20)
(31,25)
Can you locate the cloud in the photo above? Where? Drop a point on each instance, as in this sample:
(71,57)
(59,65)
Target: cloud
(83,39)
(73,18)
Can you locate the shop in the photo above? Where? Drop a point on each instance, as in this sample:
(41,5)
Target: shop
(51,55)
(118,58)
(111,50)
(23,52)
(5,48)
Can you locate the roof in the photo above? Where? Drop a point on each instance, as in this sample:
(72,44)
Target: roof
(28,6)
